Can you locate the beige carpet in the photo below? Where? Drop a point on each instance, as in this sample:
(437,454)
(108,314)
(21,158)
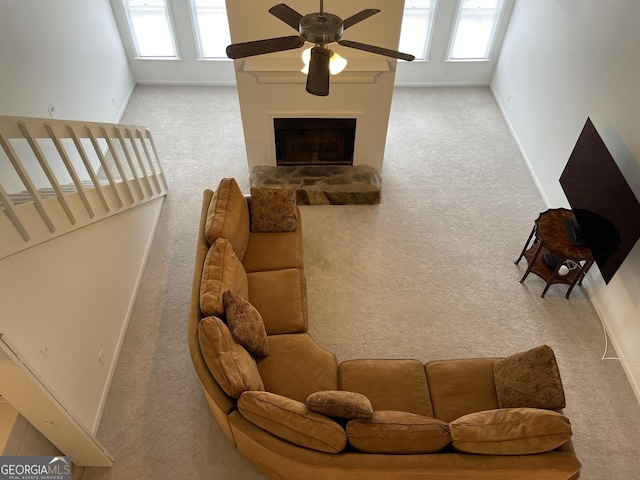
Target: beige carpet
(427,274)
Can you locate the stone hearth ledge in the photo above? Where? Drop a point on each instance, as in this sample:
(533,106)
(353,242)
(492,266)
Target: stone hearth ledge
(323,185)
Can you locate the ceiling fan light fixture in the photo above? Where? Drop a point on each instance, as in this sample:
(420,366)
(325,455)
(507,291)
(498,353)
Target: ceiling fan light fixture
(336,65)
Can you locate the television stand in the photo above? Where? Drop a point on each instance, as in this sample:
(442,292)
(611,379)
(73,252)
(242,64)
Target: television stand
(551,237)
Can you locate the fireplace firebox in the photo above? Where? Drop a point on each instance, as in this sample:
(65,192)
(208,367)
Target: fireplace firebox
(314,141)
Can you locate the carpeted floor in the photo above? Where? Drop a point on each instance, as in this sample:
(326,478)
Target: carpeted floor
(427,274)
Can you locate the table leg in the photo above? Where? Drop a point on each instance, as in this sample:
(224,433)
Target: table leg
(525,246)
(532,262)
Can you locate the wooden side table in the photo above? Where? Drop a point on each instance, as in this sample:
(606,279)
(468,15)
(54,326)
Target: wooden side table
(552,238)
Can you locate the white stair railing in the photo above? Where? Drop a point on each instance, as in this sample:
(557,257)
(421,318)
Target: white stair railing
(57,176)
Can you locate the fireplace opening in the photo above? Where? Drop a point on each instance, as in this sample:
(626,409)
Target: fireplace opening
(314,141)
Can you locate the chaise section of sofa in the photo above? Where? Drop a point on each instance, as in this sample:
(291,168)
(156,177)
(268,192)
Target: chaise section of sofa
(461,418)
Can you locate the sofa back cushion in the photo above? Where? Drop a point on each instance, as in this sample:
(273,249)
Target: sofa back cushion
(512,431)
(297,367)
(228,216)
(461,386)
(390,384)
(222,271)
(393,432)
(230,364)
(290,420)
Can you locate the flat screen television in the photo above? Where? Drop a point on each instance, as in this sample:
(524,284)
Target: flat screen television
(606,209)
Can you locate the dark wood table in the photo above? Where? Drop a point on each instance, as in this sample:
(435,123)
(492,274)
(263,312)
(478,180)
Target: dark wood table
(551,238)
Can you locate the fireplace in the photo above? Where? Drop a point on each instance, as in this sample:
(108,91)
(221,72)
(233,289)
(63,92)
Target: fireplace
(314,141)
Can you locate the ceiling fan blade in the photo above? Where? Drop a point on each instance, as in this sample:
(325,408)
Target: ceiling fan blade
(287,14)
(379,50)
(260,47)
(318,77)
(358,17)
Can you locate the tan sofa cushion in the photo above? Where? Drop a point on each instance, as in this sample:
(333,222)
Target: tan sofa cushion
(389,384)
(273,209)
(281,298)
(292,421)
(229,363)
(228,216)
(341,404)
(222,271)
(529,379)
(461,386)
(393,432)
(245,324)
(297,367)
(515,431)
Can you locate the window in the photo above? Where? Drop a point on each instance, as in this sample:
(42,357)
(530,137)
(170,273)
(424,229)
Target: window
(212,27)
(151,29)
(475,29)
(416,27)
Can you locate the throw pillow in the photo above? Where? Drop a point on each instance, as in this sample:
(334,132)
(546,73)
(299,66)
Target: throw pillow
(290,420)
(514,431)
(228,216)
(231,365)
(273,209)
(338,403)
(394,432)
(245,323)
(529,379)
(222,271)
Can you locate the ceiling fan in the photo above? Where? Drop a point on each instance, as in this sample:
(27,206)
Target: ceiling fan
(321,29)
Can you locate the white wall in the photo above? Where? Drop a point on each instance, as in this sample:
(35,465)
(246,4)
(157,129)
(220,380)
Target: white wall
(66,52)
(562,62)
(67,301)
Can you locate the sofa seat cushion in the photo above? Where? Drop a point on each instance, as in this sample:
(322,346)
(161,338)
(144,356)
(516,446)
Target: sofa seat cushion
(228,362)
(513,431)
(228,216)
(290,420)
(392,432)
(529,379)
(273,209)
(341,404)
(245,323)
(389,384)
(274,251)
(461,386)
(221,271)
(297,367)
(281,298)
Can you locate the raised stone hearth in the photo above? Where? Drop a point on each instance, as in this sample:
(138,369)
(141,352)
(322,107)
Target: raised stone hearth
(323,185)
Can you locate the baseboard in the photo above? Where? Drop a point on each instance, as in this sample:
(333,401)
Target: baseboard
(188,83)
(440,84)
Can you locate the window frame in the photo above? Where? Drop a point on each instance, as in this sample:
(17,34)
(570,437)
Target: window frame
(197,37)
(429,33)
(492,40)
(134,39)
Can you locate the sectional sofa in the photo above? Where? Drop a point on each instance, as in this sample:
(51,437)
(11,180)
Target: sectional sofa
(296,413)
